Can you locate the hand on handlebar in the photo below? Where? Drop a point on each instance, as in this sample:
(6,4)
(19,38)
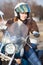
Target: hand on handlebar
(18,61)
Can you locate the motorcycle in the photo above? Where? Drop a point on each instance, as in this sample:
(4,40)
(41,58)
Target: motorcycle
(10,47)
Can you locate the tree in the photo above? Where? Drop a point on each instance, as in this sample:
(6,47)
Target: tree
(37,10)
(8,9)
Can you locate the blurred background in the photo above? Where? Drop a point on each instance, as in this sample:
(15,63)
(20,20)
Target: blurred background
(7,6)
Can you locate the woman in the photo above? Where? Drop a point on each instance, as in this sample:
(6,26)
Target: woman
(21,28)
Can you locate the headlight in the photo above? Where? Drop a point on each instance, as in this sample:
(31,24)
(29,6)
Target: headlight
(10,49)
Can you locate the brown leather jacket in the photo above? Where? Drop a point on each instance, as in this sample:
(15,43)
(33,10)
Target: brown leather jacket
(32,26)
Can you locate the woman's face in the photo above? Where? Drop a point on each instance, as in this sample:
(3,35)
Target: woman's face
(23,16)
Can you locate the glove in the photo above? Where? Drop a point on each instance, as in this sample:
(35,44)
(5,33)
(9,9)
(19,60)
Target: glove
(36,34)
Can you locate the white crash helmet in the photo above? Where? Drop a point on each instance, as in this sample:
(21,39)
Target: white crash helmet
(21,7)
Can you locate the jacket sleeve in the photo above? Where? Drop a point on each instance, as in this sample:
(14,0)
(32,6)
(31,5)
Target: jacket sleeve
(34,28)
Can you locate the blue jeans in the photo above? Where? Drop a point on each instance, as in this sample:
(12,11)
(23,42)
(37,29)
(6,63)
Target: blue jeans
(34,45)
(25,62)
(31,57)
(38,52)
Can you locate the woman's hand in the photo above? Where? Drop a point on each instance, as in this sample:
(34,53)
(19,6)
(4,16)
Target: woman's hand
(18,61)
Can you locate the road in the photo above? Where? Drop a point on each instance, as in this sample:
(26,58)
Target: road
(40,25)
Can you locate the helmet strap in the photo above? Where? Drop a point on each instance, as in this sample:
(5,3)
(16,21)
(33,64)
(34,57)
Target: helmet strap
(24,21)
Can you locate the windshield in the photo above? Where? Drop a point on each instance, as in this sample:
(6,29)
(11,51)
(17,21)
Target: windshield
(18,31)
